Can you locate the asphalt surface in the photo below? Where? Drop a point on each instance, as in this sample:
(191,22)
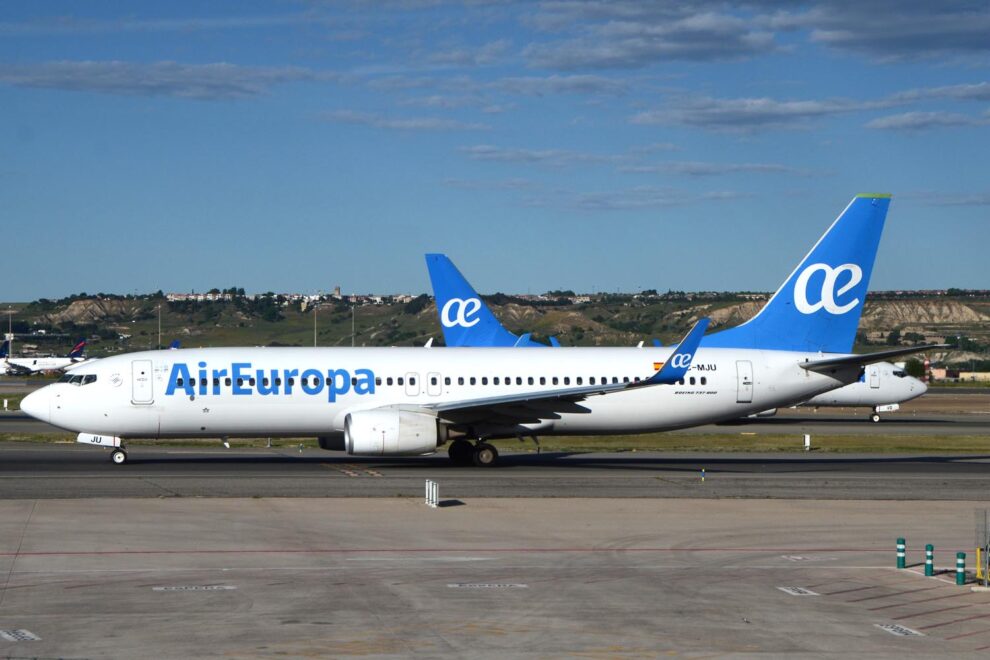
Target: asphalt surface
(71,471)
(492,578)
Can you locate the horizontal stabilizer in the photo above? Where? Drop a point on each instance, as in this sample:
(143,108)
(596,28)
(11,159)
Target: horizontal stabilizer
(866,358)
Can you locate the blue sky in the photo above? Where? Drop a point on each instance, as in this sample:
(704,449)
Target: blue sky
(295,146)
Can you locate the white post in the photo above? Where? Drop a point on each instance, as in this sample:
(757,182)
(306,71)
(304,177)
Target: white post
(5,405)
(807,442)
(432,493)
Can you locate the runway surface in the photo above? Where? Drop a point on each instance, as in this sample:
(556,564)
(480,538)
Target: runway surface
(493,578)
(71,471)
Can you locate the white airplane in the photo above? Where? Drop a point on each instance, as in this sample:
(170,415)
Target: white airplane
(467,321)
(26,366)
(882,387)
(411,401)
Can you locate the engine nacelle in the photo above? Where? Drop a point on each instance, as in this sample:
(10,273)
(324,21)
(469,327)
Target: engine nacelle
(390,433)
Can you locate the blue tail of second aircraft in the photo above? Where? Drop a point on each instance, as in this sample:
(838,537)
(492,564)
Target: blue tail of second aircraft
(818,307)
(464,317)
(5,349)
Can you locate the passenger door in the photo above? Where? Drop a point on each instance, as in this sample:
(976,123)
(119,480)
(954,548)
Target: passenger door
(744,378)
(874,370)
(142,390)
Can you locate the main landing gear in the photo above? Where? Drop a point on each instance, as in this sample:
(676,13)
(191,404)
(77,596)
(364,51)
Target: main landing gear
(463,452)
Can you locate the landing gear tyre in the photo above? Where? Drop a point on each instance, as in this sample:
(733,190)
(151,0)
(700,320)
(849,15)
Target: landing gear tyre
(118,457)
(485,455)
(460,452)
(875,417)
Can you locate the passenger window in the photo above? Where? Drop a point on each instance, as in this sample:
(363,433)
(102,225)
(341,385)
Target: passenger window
(495,380)
(484,380)
(615,379)
(378,380)
(567,380)
(401,381)
(530,380)
(543,380)
(178,381)
(625,379)
(680,382)
(251,381)
(579,380)
(636,379)
(226,381)
(518,380)
(591,380)
(291,381)
(446,380)
(691,380)
(704,381)
(278,381)
(433,380)
(388,380)
(473,380)
(555,380)
(264,381)
(353,381)
(412,381)
(460,380)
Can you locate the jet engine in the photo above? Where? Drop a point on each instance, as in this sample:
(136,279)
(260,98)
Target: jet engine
(390,433)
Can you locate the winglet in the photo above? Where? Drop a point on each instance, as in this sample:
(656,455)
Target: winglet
(554,342)
(680,360)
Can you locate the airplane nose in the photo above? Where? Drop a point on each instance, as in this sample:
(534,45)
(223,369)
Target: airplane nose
(38,404)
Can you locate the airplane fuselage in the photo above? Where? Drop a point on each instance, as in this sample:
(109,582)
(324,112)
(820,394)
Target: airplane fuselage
(218,392)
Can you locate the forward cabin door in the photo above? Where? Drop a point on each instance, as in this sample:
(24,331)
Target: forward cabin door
(744,378)
(874,370)
(142,392)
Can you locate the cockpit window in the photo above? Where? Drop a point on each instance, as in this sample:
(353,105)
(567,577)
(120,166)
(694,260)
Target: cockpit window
(65,379)
(91,378)
(900,373)
(76,380)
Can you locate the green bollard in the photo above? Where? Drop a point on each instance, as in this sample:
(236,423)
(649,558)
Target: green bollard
(960,568)
(929,560)
(901,547)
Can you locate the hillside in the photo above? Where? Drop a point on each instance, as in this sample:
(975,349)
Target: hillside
(116,324)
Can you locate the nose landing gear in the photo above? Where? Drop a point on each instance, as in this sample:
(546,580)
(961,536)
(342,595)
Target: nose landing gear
(118,456)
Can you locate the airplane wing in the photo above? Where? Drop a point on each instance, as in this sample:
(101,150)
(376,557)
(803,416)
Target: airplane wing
(15,369)
(821,366)
(534,406)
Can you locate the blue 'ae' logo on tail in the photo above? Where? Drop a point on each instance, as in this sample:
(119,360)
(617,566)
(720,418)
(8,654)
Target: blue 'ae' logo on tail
(819,305)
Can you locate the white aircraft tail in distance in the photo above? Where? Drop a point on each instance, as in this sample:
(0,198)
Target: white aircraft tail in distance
(412,401)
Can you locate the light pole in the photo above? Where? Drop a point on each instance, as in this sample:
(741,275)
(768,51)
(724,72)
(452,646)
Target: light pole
(159,326)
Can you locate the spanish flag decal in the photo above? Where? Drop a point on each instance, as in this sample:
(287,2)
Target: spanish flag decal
(657,366)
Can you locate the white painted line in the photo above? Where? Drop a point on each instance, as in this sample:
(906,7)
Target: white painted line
(208,587)
(419,558)
(487,585)
(900,631)
(799,591)
(804,558)
(19,635)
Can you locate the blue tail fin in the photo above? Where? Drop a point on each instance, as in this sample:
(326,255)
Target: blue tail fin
(818,307)
(464,317)
(5,348)
(77,350)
